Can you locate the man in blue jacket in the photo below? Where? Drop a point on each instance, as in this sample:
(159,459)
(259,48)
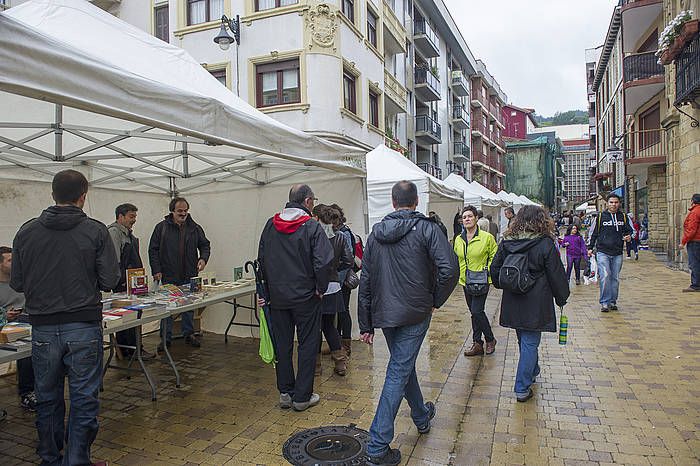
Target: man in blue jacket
(408,271)
(608,236)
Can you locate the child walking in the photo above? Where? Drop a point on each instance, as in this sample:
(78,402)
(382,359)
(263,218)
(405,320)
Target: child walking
(575,253)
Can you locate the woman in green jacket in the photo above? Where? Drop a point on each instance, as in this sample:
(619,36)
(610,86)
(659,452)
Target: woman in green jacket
(475,249)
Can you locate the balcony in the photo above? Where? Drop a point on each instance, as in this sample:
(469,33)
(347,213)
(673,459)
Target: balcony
(427,85)
(396,93)
(428,131)
(431,169)
(479,102)
(638,17)
(494,113)
(646,146)
(394,32)
(461,151)
(459,117)
(395,145)
(459,84)
(479,157)
(425,39)
(454,167)
(688,73)
(478,128)
(644,78)
(496,162)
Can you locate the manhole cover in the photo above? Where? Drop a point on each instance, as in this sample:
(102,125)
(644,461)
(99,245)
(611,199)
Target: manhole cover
(336,445)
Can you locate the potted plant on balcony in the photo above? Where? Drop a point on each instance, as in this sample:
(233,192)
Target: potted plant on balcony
(434,71)
(679,31)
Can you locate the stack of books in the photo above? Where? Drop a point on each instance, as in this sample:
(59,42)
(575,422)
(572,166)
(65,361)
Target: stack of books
(115,317)
(13,331)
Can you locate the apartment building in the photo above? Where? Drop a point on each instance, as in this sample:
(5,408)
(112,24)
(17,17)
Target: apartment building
(650,111)
(592,56)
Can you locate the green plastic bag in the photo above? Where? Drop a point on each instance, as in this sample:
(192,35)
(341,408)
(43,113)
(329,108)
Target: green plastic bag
(267,350)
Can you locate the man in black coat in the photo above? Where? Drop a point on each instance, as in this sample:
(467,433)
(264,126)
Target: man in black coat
(408,271)
(178,251)
(61,261)
(295,258)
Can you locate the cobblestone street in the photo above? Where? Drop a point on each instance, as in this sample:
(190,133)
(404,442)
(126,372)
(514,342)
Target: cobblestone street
(623,390)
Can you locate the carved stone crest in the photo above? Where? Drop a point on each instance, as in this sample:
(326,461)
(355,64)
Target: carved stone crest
(322,24)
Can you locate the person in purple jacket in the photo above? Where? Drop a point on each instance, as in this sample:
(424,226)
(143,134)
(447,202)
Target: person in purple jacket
(575,252)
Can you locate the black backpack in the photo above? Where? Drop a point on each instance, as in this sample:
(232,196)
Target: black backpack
(515,275)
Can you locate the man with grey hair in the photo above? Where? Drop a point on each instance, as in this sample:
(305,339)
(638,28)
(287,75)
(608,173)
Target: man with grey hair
(295,259)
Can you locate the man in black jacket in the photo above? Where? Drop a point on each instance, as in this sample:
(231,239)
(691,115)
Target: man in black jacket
(178,251)
(61,261)
(609,234)
(408,271)
(295,259)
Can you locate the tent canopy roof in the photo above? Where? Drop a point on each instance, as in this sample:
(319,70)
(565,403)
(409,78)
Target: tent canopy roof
(136,108)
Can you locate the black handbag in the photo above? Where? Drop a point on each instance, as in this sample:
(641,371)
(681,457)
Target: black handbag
(351,281)
(476,283)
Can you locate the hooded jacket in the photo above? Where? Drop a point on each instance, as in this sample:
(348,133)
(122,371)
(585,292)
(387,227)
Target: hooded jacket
(535,309)
(607,233)
(478,254)
(575,246)
(295,257)
(691,225)
(60,261)
(164,250)
(408,268)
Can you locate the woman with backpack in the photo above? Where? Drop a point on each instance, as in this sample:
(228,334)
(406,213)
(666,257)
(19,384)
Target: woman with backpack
(576,252)
(528,269)
(475,249)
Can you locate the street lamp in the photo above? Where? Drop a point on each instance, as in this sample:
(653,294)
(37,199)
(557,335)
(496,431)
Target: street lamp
(223,38)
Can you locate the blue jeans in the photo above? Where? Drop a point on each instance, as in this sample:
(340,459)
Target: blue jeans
(528,364)
(72,349)
(693,248)
(187,325)
(608,277)
(401,382)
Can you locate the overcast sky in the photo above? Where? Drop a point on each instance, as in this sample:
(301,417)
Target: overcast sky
(535,48)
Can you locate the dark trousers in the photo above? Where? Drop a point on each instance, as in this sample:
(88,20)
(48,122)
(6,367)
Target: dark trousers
(573,264)
(306,318)
(344,318)
(127,337)
(693,248)
(329,330)
(480,323)
(632,245)
(73,350)
(25,376)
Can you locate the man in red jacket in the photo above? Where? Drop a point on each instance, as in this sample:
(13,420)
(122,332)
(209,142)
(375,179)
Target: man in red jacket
(691,240)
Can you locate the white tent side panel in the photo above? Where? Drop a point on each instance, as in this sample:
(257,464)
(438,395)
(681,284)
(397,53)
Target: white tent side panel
(379,199)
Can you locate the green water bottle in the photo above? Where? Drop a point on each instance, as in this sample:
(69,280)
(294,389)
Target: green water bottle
(563,327)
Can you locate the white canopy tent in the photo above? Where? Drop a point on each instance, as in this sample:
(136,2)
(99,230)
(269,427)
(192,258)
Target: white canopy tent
(488,197)
(471,196)
(385,167)
(144,121)
(526,201)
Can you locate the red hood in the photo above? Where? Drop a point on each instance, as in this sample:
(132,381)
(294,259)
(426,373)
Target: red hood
(288,222)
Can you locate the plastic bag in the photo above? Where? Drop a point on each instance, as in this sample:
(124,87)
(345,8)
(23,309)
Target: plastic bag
(267,349)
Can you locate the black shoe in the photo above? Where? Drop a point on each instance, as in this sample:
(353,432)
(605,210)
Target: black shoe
(160,346)
(28,401)
(192,340)
(392,457)
(604,309)
(525,397)
(431,414)
(613,307)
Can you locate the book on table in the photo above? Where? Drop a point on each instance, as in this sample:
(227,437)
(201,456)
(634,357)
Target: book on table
(13,331)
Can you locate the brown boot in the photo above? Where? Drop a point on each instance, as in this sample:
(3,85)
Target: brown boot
(341,362)
(476,350)
(346,343)
(319,368)
(490,346)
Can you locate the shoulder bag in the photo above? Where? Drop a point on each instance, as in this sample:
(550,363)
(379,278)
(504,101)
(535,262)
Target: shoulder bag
(476,283)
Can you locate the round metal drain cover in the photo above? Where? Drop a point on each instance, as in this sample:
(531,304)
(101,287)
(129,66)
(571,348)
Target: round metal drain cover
(333,445)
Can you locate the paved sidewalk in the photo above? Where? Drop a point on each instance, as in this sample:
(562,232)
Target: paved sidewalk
(624,390)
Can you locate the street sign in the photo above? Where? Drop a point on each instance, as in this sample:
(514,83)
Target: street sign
(614,156)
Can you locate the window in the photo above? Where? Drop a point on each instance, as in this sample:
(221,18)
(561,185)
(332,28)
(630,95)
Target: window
(261,5)
(162,23)
(220,75)
(373,109)
(278,83)
(348,8)
(204,11)
(649,124)
(372,28)
(349,92)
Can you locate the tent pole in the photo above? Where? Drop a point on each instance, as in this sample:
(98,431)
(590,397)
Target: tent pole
(173,187)
(58,132)
(185,161)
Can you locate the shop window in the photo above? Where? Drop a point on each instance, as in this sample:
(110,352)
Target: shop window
(278,83)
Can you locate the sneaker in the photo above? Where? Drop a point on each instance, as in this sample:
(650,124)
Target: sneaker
(636,257)
(303,406)
(604,309)
(523,397)
(613,307)
(28,401)
(690,289)
(392,457)
(431,414)
(285,400)
(192,340)
(578,282)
